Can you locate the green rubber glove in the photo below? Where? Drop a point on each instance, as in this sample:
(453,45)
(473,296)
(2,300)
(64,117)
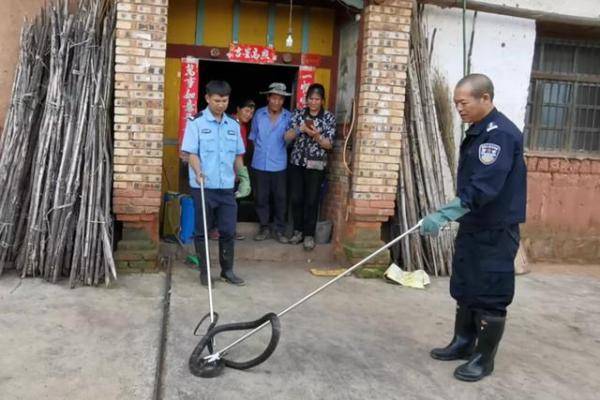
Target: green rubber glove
(193,260)
(244,183)
(435,221)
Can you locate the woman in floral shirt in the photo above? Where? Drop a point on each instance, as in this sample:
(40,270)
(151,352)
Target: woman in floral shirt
(312,129)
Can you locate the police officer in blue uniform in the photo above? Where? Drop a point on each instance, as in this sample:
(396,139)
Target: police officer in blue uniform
(215,147)
(490,205)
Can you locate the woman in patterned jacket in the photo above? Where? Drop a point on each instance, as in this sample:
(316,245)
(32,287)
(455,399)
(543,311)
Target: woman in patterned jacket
(312,129)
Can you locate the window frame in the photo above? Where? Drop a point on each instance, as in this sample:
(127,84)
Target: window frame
(535,95)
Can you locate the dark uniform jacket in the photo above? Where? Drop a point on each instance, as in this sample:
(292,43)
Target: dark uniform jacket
(492,176)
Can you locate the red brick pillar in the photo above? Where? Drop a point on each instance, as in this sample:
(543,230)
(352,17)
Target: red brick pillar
(380,112)
(139,106)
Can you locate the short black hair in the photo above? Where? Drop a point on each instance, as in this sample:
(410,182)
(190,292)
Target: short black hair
(220,88)
(247,103)
(480,84)
(316,88)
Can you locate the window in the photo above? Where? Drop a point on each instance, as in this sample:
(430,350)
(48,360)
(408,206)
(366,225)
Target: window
(563,108)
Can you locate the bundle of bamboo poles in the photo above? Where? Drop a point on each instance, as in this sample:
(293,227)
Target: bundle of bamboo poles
(56,148)
(426,181)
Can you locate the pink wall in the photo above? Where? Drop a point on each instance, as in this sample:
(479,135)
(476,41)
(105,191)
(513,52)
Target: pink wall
(563,209)
(13,12)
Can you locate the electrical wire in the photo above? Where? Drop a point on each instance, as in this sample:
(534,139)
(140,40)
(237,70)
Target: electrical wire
(347,138)
(464,37)
(290,17)
(464,28)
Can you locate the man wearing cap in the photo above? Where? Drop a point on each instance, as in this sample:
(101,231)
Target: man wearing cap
(269,161)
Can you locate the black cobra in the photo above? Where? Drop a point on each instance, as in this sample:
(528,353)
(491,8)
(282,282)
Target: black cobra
(212,364)
(204,368)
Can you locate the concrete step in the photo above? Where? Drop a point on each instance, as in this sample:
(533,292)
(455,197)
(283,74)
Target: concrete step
(248,229)
(135,245)
(251,250)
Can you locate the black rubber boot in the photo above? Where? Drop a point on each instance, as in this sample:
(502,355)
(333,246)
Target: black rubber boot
(226,259)
(201,253)
(463,342)
(481,363)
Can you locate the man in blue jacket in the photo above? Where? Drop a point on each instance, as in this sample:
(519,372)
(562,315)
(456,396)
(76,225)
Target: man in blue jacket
(490,205)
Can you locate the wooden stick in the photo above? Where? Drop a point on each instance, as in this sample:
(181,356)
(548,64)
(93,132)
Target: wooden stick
(56,149)
(426,181)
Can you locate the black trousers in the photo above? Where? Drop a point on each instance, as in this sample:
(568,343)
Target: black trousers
(219,204)
(483,268)
(267,186)
(305,188)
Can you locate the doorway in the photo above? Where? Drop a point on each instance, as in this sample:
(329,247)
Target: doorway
(247,81)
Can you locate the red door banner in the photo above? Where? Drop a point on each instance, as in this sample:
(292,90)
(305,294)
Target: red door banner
(306,77)
(251,53)
(310,60)
(188,93)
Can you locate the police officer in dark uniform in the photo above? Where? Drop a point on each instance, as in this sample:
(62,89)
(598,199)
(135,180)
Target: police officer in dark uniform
(215,147)
(490,205)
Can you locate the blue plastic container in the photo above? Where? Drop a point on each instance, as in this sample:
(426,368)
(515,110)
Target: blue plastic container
(186,234)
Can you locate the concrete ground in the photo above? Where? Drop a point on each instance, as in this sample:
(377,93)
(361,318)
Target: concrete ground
(85,343)
(360,339)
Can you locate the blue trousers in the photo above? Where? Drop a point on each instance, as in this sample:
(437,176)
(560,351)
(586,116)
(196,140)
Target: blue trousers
(483,268)
(220,205)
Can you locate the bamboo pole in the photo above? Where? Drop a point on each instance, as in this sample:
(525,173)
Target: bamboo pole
(426,181)
(56,148)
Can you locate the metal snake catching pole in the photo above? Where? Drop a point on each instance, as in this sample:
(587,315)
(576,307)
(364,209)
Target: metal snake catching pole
(212,364)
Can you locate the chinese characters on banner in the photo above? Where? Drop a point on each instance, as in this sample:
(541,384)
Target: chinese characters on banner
(251,54)
(306,77)
(310,60)
(188,93)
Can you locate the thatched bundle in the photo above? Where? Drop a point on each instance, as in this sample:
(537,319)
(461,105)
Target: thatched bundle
(56,148)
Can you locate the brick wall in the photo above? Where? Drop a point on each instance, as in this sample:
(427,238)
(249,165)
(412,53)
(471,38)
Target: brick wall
(563,210)
(138,124)
(376,147)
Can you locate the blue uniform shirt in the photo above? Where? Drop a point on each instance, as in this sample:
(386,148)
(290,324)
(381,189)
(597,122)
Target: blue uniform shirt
(270,153)
(492,176)
(217,144)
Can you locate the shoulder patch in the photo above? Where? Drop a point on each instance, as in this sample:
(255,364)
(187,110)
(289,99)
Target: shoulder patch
(232,118)
(195,116)
(488,153)
(491,126)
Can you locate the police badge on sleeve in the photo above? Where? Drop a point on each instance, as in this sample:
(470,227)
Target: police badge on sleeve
(488,153)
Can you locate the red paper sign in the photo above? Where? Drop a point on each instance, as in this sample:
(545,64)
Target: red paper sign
(306,77)
(312,60)
(251,54)
(188,93)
